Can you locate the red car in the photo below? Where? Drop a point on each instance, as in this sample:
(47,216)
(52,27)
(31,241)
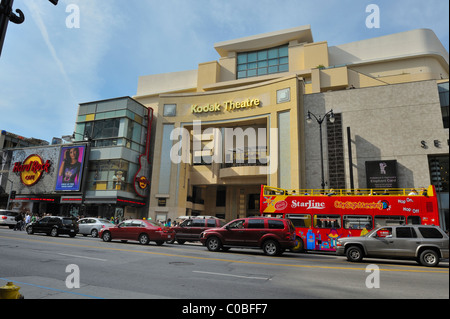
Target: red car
(142,231)
(273,235)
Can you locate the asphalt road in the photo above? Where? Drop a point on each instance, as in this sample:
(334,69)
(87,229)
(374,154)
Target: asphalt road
(39,265)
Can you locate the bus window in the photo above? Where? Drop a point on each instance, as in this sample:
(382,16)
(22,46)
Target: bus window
(389,220)
(357,222)
(327,221)
(414,220)
(300,220)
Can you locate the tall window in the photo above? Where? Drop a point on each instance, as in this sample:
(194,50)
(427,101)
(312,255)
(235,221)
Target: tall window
(270,61)
(444,98)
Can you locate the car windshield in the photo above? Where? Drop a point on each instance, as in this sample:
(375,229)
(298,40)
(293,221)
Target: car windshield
(105,221)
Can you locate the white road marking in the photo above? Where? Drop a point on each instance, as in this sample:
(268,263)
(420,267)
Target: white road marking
(228,275)
(83,257)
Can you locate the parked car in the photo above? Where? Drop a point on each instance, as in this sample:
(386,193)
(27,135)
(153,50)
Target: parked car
(91,226)
(190,229)
(425,244)
(8,218)
(54,226)
(273,235)
(142,231)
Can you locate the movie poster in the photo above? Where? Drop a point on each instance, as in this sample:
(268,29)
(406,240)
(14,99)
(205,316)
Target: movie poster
(70,168)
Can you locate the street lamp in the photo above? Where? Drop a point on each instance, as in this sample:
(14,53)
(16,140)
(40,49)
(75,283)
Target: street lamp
(7,14)
(320,120)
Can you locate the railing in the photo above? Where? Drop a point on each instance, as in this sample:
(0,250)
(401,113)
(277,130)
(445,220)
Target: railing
(268,190)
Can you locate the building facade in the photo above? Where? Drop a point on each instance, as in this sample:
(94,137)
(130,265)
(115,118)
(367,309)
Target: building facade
(239,122)
(99,173)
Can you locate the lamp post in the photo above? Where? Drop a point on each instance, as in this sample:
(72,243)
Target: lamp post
(320,121)
(7,14)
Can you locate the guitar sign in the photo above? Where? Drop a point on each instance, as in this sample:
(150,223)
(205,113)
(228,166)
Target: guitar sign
(141,182)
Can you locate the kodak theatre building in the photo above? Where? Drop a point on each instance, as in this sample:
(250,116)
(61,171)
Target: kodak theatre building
(256,114)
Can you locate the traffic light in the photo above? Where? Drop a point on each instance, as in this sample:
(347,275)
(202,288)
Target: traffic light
(55,2)
(13,194)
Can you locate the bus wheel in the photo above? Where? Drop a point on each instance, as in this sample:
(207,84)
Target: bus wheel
(299,247)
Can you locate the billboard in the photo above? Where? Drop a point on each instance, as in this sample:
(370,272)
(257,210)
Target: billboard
(70,168)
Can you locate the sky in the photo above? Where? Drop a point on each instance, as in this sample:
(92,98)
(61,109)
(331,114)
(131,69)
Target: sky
(87,50)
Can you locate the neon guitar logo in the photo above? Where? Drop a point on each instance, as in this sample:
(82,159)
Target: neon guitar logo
(141,182)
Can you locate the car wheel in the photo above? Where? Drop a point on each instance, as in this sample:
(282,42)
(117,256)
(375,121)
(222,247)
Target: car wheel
(143,239)
(94,233)
(106,236)
(54,232)
(354,254)
(271,248)
(30,230)
(213,244)
(429,258)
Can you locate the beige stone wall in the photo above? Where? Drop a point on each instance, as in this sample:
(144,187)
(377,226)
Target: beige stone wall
(387,123)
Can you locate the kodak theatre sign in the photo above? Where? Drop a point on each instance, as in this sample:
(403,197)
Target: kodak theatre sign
(31,169)
(229,106)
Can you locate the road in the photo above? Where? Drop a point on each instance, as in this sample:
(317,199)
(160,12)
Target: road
(39,265)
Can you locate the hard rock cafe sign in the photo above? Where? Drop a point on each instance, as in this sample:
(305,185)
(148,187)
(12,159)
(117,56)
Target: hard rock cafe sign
(31,169)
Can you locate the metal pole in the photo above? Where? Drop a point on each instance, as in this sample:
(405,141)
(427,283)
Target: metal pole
(6,15)
(350,158)
(321,153)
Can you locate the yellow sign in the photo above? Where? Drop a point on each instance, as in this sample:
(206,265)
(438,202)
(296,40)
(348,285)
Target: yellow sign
(227,106)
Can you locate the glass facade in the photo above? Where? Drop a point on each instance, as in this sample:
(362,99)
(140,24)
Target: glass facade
(114,128)
(263,62)
(117,132)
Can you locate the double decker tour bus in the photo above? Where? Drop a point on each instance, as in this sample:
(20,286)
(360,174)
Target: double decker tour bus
(320,217)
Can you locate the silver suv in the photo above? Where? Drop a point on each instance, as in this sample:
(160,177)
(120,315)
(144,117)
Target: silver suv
(425,244)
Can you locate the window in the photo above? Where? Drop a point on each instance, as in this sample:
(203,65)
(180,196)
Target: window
(275,60)
(198,223)
(444,99)
(170,110)
(283,95)
(357,222)
(275,224)
(389,220)
(300,220)
(211,223)
(137,223)
(384,232)
(429,232)
(255,223)
(237,224)
(406,232)
(414,220)
(327,221)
